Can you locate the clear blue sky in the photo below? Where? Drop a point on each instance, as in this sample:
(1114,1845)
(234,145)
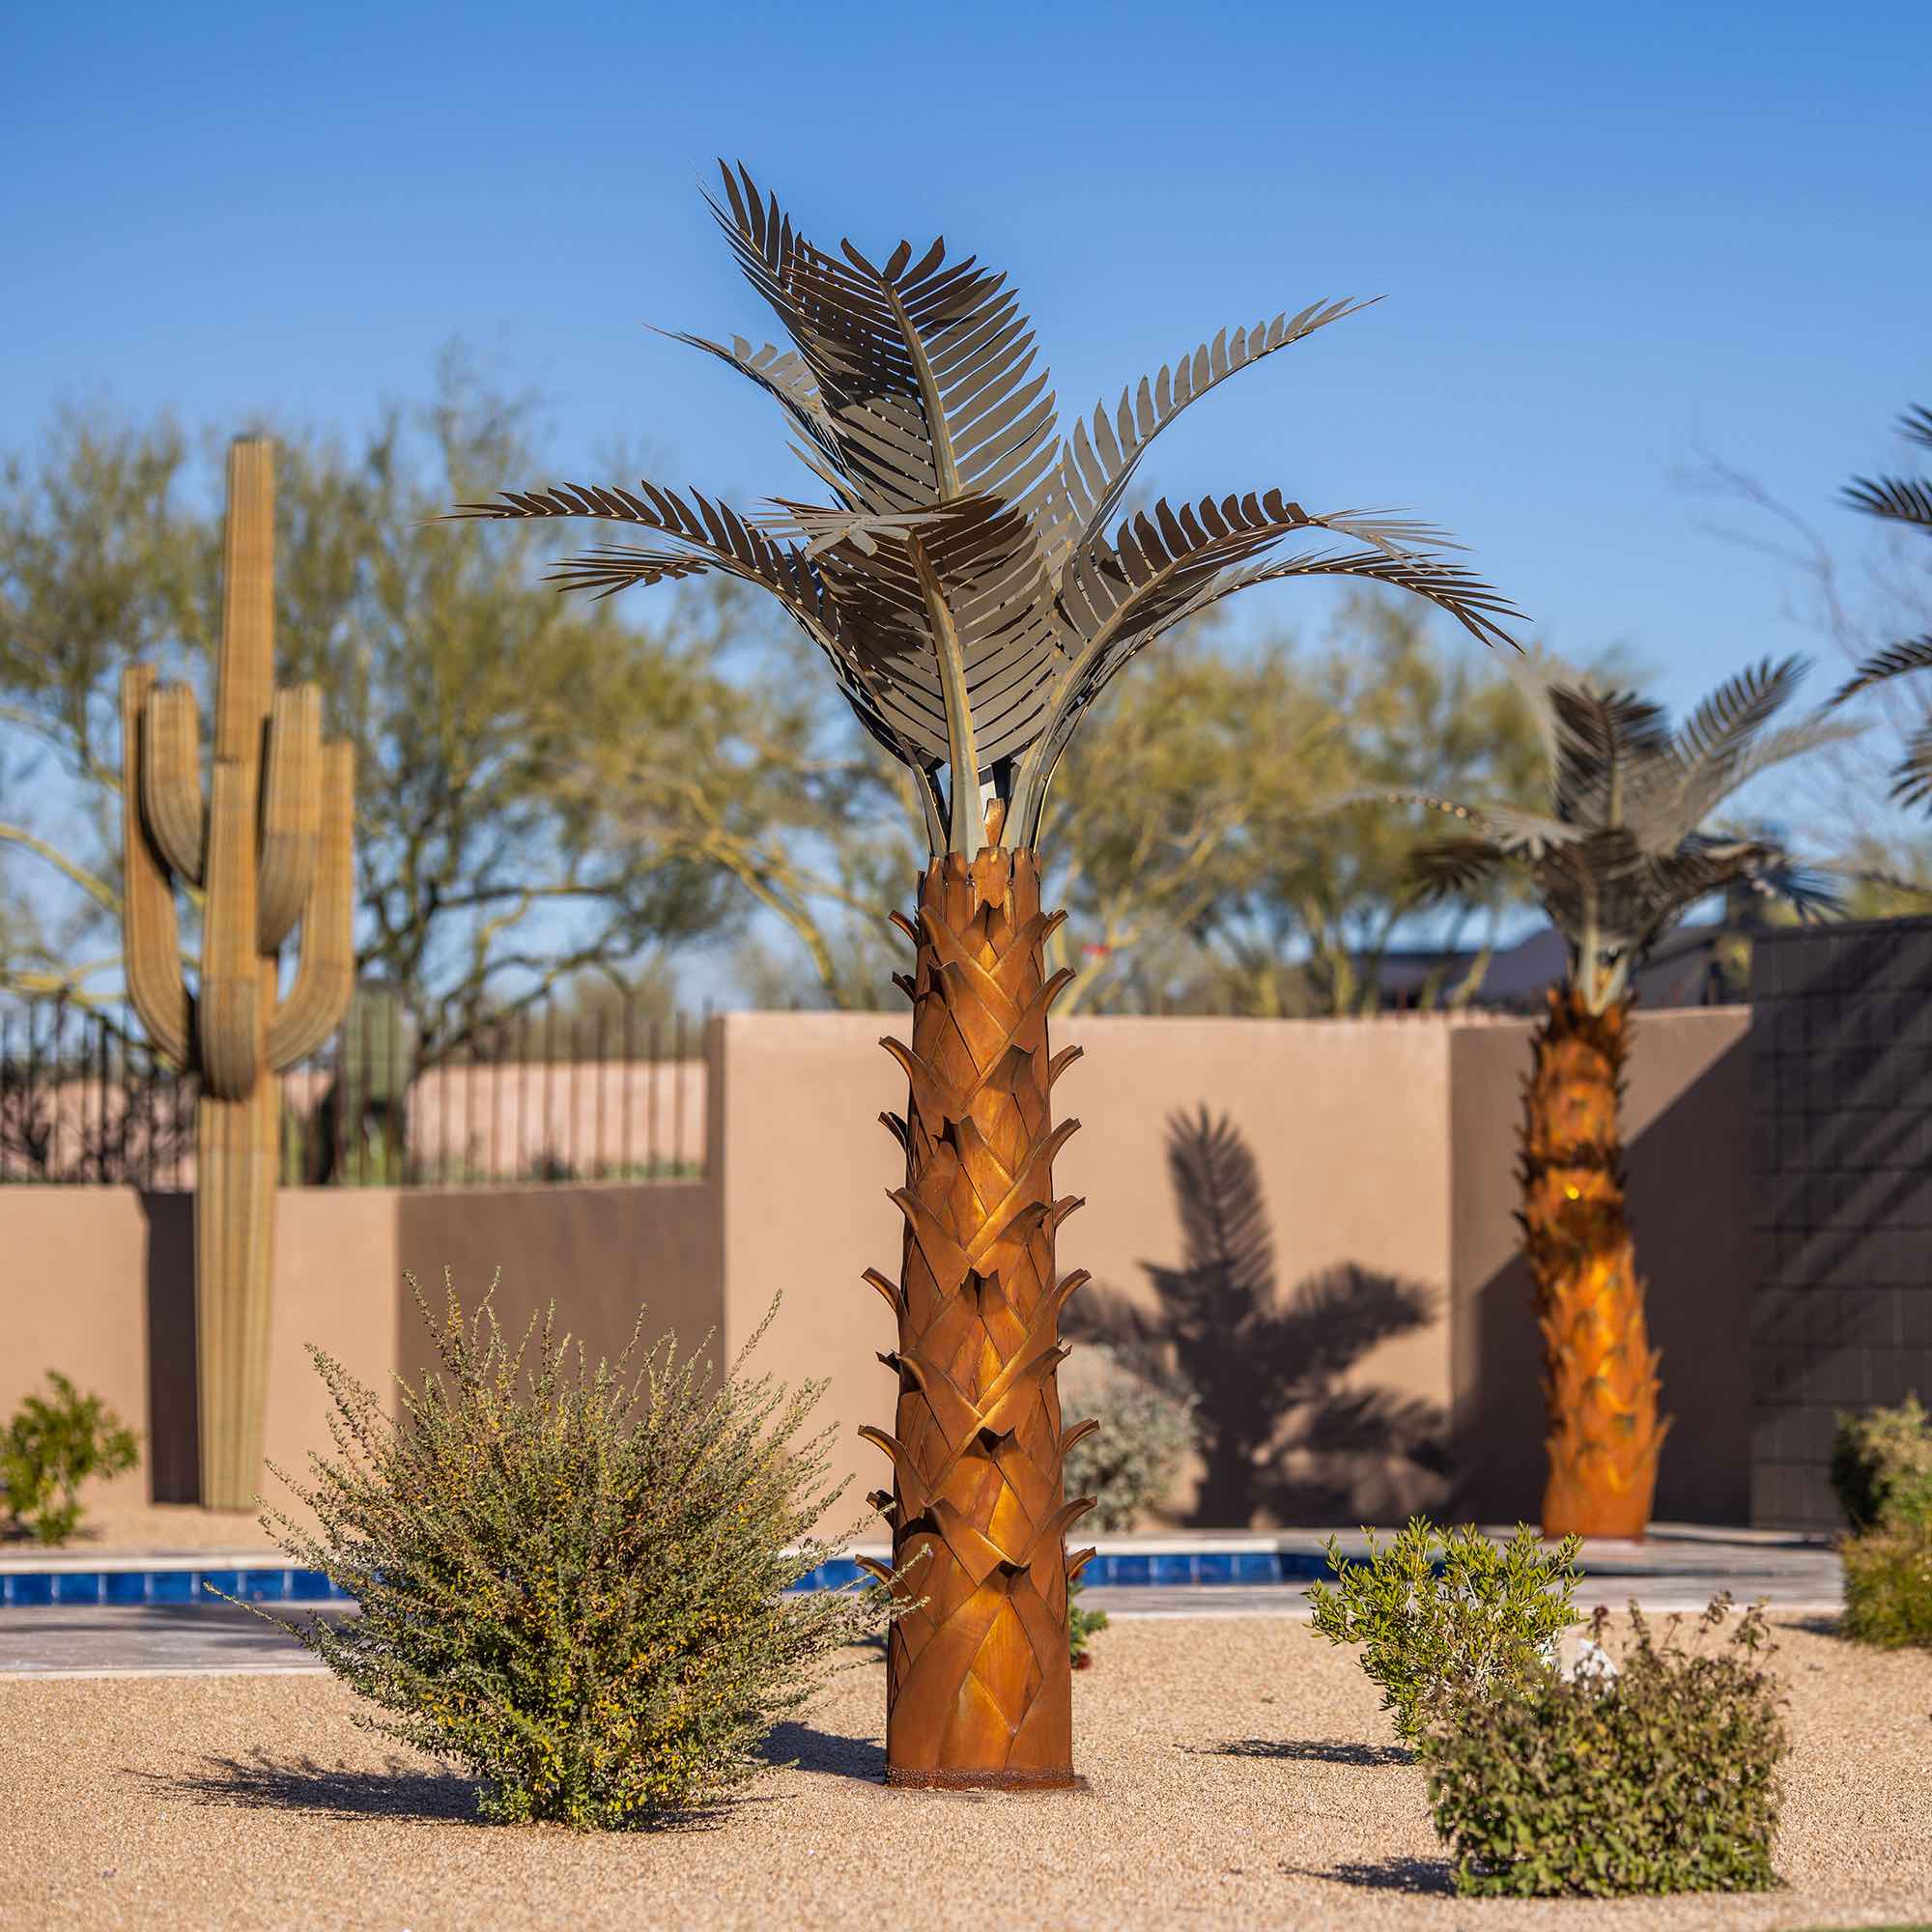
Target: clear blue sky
(1609,246)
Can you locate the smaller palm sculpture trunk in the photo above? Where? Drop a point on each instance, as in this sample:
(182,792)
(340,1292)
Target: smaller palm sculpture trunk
(1600,1382)
(272,845)
(981,1684)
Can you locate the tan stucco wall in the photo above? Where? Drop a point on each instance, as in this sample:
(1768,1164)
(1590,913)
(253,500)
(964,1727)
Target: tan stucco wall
(600,1254)
(1388,1145)
(1348,1122)
(73,1297)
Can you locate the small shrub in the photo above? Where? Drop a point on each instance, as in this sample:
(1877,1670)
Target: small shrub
(1080,1628)
(49,1449)
(1442,1612)
(1127,1465)
(1882,1466)
(572,1581)
(1661,1779)
(1888,1587)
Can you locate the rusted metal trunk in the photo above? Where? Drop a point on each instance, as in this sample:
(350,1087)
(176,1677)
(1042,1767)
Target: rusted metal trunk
(979,1685)
(1600,1372)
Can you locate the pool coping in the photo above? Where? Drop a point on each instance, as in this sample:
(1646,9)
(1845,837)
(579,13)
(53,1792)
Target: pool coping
(31,1579)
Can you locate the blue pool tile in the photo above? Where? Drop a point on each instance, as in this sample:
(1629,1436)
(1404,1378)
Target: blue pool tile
(171,1586)
(208,1581)
(310,1586)
(77,1586)
(1130,1569)
(264,1586)
(1301,1566)
(125,1586)
(1175,1568)
(25,1591)
(1214,1566)
(1257,1566)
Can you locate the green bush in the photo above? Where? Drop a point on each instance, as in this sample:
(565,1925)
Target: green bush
(1882,1466)
(1441,1612)
(1127,1465)
(1889,1586)
(1080,1628)
(49,1449)
(573,1582)
(1663,1777)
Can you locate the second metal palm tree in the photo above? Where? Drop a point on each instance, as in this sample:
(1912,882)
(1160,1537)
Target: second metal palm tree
(1622,854)
(973,586)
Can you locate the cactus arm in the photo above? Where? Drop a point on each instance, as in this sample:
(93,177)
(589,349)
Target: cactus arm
(290,801)
(327,968)
(232,1015)
(151,944)
(171,779)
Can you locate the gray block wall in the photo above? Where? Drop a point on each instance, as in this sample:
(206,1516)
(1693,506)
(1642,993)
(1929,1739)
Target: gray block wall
(1840,1162)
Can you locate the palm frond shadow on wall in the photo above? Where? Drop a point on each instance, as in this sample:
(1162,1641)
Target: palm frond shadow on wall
(1287,1435)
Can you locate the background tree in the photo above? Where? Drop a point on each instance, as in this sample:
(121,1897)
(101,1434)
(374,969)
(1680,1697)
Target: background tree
(1313,906)
(1620,856)
(471,693)
(964,588)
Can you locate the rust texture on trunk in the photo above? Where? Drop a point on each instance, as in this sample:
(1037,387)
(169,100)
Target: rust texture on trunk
(980,1683)
(1600,1372)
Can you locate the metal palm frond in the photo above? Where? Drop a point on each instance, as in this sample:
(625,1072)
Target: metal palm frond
(1905,500)
(1902,499)
(961,579)
(1623,853)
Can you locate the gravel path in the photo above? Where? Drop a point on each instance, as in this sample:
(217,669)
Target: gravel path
(1239,1778)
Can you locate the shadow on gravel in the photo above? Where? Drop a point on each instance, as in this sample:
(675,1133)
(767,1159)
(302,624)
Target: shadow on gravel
(1305,1751)
(1817,1626)
(261,1783)
(1418,1877)
(810,1749)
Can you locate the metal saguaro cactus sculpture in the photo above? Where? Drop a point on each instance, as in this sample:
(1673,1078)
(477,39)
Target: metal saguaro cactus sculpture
(268,846)
(972,603)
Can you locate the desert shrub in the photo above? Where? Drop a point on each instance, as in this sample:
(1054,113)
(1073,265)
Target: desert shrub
(1127,1465)
(1889,1586)
(1882,1466)
(50,1448)
(1442,1612)
(1661,1778)
(1080,1628)
(572,1580)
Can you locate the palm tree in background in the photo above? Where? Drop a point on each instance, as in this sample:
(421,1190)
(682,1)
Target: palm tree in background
(1623,853)
(967,590)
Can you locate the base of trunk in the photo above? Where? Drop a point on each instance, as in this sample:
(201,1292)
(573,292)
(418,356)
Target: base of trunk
(986,1780)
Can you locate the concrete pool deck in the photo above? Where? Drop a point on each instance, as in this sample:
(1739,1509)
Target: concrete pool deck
(1678,1567)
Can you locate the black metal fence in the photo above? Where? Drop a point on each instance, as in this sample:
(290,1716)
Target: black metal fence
(544,1096)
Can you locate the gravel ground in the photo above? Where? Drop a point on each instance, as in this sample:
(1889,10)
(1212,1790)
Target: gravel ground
(1239,1776)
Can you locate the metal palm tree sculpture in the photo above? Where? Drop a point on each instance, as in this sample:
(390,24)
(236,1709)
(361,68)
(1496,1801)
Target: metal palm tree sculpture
(1621,856)
(965,587)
